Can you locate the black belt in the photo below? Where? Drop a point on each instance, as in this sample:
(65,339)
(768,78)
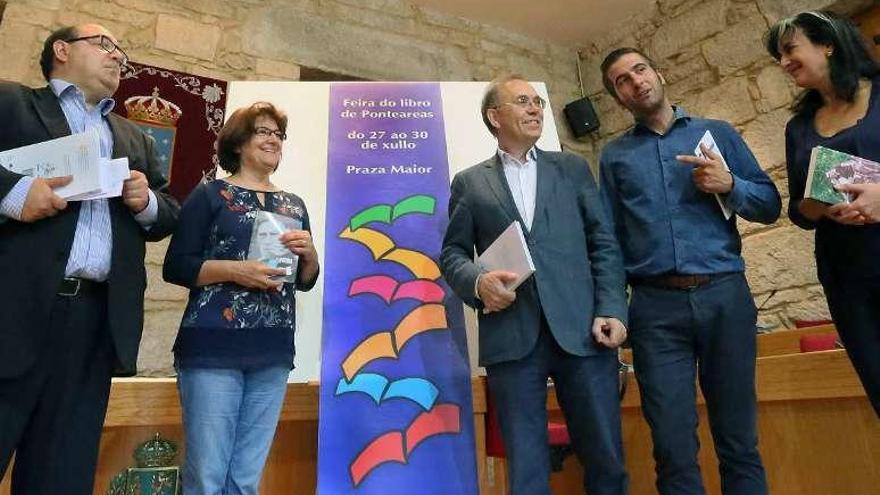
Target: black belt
(72,286)
(678,281)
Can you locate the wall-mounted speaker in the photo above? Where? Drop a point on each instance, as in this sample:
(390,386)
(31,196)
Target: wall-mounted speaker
(581,117)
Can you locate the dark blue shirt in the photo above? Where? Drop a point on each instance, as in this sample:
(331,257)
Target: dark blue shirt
(226,325)
(663,222)
(844,252)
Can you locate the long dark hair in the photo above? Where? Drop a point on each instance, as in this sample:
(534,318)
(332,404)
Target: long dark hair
(850,60)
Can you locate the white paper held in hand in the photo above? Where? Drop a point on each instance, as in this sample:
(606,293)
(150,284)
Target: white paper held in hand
(76,155)
(113,173)
(510,253)
(710,143)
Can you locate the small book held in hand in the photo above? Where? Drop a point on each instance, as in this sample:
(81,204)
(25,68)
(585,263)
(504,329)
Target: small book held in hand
(509,252)
(830,168)
(712,146)
(266,245)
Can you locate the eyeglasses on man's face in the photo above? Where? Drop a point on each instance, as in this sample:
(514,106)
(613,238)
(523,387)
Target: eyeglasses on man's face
(104,42)
(524,102)
(265,132)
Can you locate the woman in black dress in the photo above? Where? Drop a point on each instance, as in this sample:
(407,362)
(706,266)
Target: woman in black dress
(838,109)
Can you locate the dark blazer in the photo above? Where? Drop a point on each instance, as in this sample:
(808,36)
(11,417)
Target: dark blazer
(33,256)
(578,267)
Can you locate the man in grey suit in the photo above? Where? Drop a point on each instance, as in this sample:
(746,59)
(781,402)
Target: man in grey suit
(565,320)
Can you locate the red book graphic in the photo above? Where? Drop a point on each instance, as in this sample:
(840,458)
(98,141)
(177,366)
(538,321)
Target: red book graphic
(398,446)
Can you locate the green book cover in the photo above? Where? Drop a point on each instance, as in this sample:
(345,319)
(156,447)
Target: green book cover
(829,168)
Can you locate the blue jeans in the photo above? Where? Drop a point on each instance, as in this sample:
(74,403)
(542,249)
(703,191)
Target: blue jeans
(678,335)
(229,420)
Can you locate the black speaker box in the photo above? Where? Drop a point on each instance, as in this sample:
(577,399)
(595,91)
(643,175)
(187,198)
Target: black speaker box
(581,117)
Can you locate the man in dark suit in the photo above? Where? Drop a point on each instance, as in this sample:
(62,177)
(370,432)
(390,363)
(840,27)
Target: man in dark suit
(71,302)
(565,320)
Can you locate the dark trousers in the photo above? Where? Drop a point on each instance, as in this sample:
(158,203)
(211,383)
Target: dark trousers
(586,388)
(51,416)
(855,307)
(678,335)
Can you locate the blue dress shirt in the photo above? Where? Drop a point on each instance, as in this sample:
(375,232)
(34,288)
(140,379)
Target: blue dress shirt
(663,222)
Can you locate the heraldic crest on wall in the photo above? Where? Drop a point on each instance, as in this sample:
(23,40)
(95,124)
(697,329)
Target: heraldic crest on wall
(183,112)
(158,118)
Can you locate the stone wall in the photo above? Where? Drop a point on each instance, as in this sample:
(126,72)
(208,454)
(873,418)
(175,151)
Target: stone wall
(271,40)
(715,65)
(710,51)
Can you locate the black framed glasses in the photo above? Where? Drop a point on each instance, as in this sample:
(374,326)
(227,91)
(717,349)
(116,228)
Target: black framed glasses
(265,132)
(104,42)
(524,102)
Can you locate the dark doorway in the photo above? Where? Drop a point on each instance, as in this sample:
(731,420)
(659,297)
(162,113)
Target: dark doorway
(312,74)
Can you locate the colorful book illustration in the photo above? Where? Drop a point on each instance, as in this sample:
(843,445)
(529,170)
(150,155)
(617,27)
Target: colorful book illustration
(389,344)
(383,247)
(398,446)
(387,214)
(390,290)
(830,168)
(380,389)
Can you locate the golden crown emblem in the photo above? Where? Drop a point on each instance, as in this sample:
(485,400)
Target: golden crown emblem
(153,109)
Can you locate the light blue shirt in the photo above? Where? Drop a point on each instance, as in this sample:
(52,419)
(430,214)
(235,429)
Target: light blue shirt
(522,178)
(90,254)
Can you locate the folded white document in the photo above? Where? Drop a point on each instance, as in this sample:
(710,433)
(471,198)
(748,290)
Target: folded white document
(77,155)
(510,253)
(710,143)
(113,172)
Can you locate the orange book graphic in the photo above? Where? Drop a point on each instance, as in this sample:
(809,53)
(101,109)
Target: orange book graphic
(388,344)
(382,247)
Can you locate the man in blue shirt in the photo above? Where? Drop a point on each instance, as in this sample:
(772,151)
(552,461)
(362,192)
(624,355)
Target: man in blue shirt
(71,301)
(691,311)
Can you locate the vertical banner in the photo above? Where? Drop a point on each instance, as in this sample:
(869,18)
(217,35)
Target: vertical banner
(396,415)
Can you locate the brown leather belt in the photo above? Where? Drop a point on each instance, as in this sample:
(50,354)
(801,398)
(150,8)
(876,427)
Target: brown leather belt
(678,282)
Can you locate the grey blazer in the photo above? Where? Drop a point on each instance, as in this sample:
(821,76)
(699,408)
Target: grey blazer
(579,272)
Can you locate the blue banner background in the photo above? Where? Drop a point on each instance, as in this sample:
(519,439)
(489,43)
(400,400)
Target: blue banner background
(443,464)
